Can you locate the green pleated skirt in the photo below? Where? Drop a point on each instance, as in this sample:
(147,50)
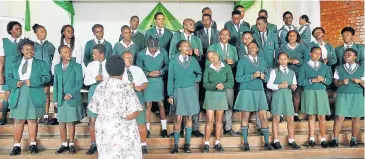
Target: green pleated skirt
(186,102)
(282,102)
(251,101)
(141,118)
(350,105)
(24,109)
(154,91)
(315,102)
(67,114)
(215,100)
(89,96)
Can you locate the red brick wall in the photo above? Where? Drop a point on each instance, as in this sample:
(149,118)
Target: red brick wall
(336,15)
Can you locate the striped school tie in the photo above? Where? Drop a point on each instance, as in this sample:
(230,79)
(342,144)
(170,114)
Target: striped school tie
(238,27)
(185,60)
(159,32)
(350,68)
(25,67)
(315,65)
(15,42)
(130,76)
(255,60)
(99,42)
(188,38)
(208,36)
(42,42)
(225,51)
(100,69)
(285,70)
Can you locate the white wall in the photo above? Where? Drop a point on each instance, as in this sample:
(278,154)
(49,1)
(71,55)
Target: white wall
(115,14)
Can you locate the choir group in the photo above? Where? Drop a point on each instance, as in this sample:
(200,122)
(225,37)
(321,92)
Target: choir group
(250,69)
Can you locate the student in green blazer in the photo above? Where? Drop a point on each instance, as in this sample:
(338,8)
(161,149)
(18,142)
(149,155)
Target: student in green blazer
(242,16)
(251,74)
(10,47)
(44,50)
(314,76)
(188,35)
(347,36)
(199,25)
(304,30)
(288,26)
(270,27)
(218,77)
(154,62)
(266,41)
(163,34)
(184,72)
(298,55)
(282,81)
(236,28)
(98,31)
(207,34)
(26,79)
(126,44)
(227,53)
(137,36)
(67,85)
(349,78)
(328,51)
(247,38)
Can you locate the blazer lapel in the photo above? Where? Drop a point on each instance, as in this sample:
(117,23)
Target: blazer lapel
(16,71)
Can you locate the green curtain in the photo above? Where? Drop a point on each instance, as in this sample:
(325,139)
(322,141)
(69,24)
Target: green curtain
(27,16)
(245,3)
(170,21)
(68,6)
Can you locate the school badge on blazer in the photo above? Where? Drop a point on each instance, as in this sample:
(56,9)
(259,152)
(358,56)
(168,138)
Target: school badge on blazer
(270,43)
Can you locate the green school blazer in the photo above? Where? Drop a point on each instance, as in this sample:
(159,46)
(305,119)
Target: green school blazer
(68,82)
(39,76)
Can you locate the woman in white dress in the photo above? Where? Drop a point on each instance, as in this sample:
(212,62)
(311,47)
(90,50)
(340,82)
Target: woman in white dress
(117,106)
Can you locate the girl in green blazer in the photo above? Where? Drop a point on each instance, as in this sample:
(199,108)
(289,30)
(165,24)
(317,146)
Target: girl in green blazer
(44,50)
(349,78)
(67,84)
(304,30)
(27,99)
(217,78)
(314,77)
(328,51)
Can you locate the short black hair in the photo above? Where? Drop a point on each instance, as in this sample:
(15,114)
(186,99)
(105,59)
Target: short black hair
(36,26)
(62,46)
(263,11)
(100,47)
(152,42)
(349,29)
(124,27)
(205,8)
(225,29)
(352,50)
(207,15)
(10,26)
(238,6)
(134,17)
(25,42)
(287,36)
(262,18)
(179,43)
(305,17)
(247,32)
(287,12)
(315,47)
(236,12)
(283,53)
(157,14)
(115,65)
(320,28)
(97,26)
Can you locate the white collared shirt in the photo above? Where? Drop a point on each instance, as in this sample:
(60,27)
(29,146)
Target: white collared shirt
(138,75)
(323,48)
(270,84)
(92,71)
(349,46)
(77,52)
(217,69)
(133,32)
(186,36)
(251,58)
(181,58)
(154,55)
(235,26)
(292,47)
(39,41)
(209,33)
(101,41)
(353,66)
(162,30)
(286,28)
(12,39)
(313,64)
(222,45)
(26,75)
(125,45)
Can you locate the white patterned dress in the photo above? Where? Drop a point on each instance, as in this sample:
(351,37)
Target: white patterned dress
(116,137)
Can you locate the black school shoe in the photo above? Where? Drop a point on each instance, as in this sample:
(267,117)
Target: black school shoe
(187,148)
(353,143)
(197,133)
(268,147)
(246,147)
(324,144)
(72,150)
(296,119)
(16,151)
(332,143)
(276,145)
(294,145)
(218,147)
(175,149)
(311,143)
(93,148)
(164,133)
(144,150)
(205,148)
(33,149)
(62,149)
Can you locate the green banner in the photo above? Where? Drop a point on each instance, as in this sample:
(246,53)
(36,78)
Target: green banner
(170,21)
(245,3)
(68,6)
(27,16)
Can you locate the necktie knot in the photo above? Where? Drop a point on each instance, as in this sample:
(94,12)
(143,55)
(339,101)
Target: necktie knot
(42,42)
(255,60)
(99,42)
(349,67)
(159,32)
(185,59)
(130,76)
(285,70)
(15,41)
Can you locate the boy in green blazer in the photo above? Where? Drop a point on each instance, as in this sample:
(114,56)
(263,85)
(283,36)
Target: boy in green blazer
(137,36)
(207,34)
(236,28)
(126,44)
(347,36)
(163,34)
(98,31)
(10,47)
(26,79)
(270,27)
(288,26)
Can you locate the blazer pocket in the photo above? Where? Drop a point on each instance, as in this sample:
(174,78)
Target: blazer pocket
(13,98)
